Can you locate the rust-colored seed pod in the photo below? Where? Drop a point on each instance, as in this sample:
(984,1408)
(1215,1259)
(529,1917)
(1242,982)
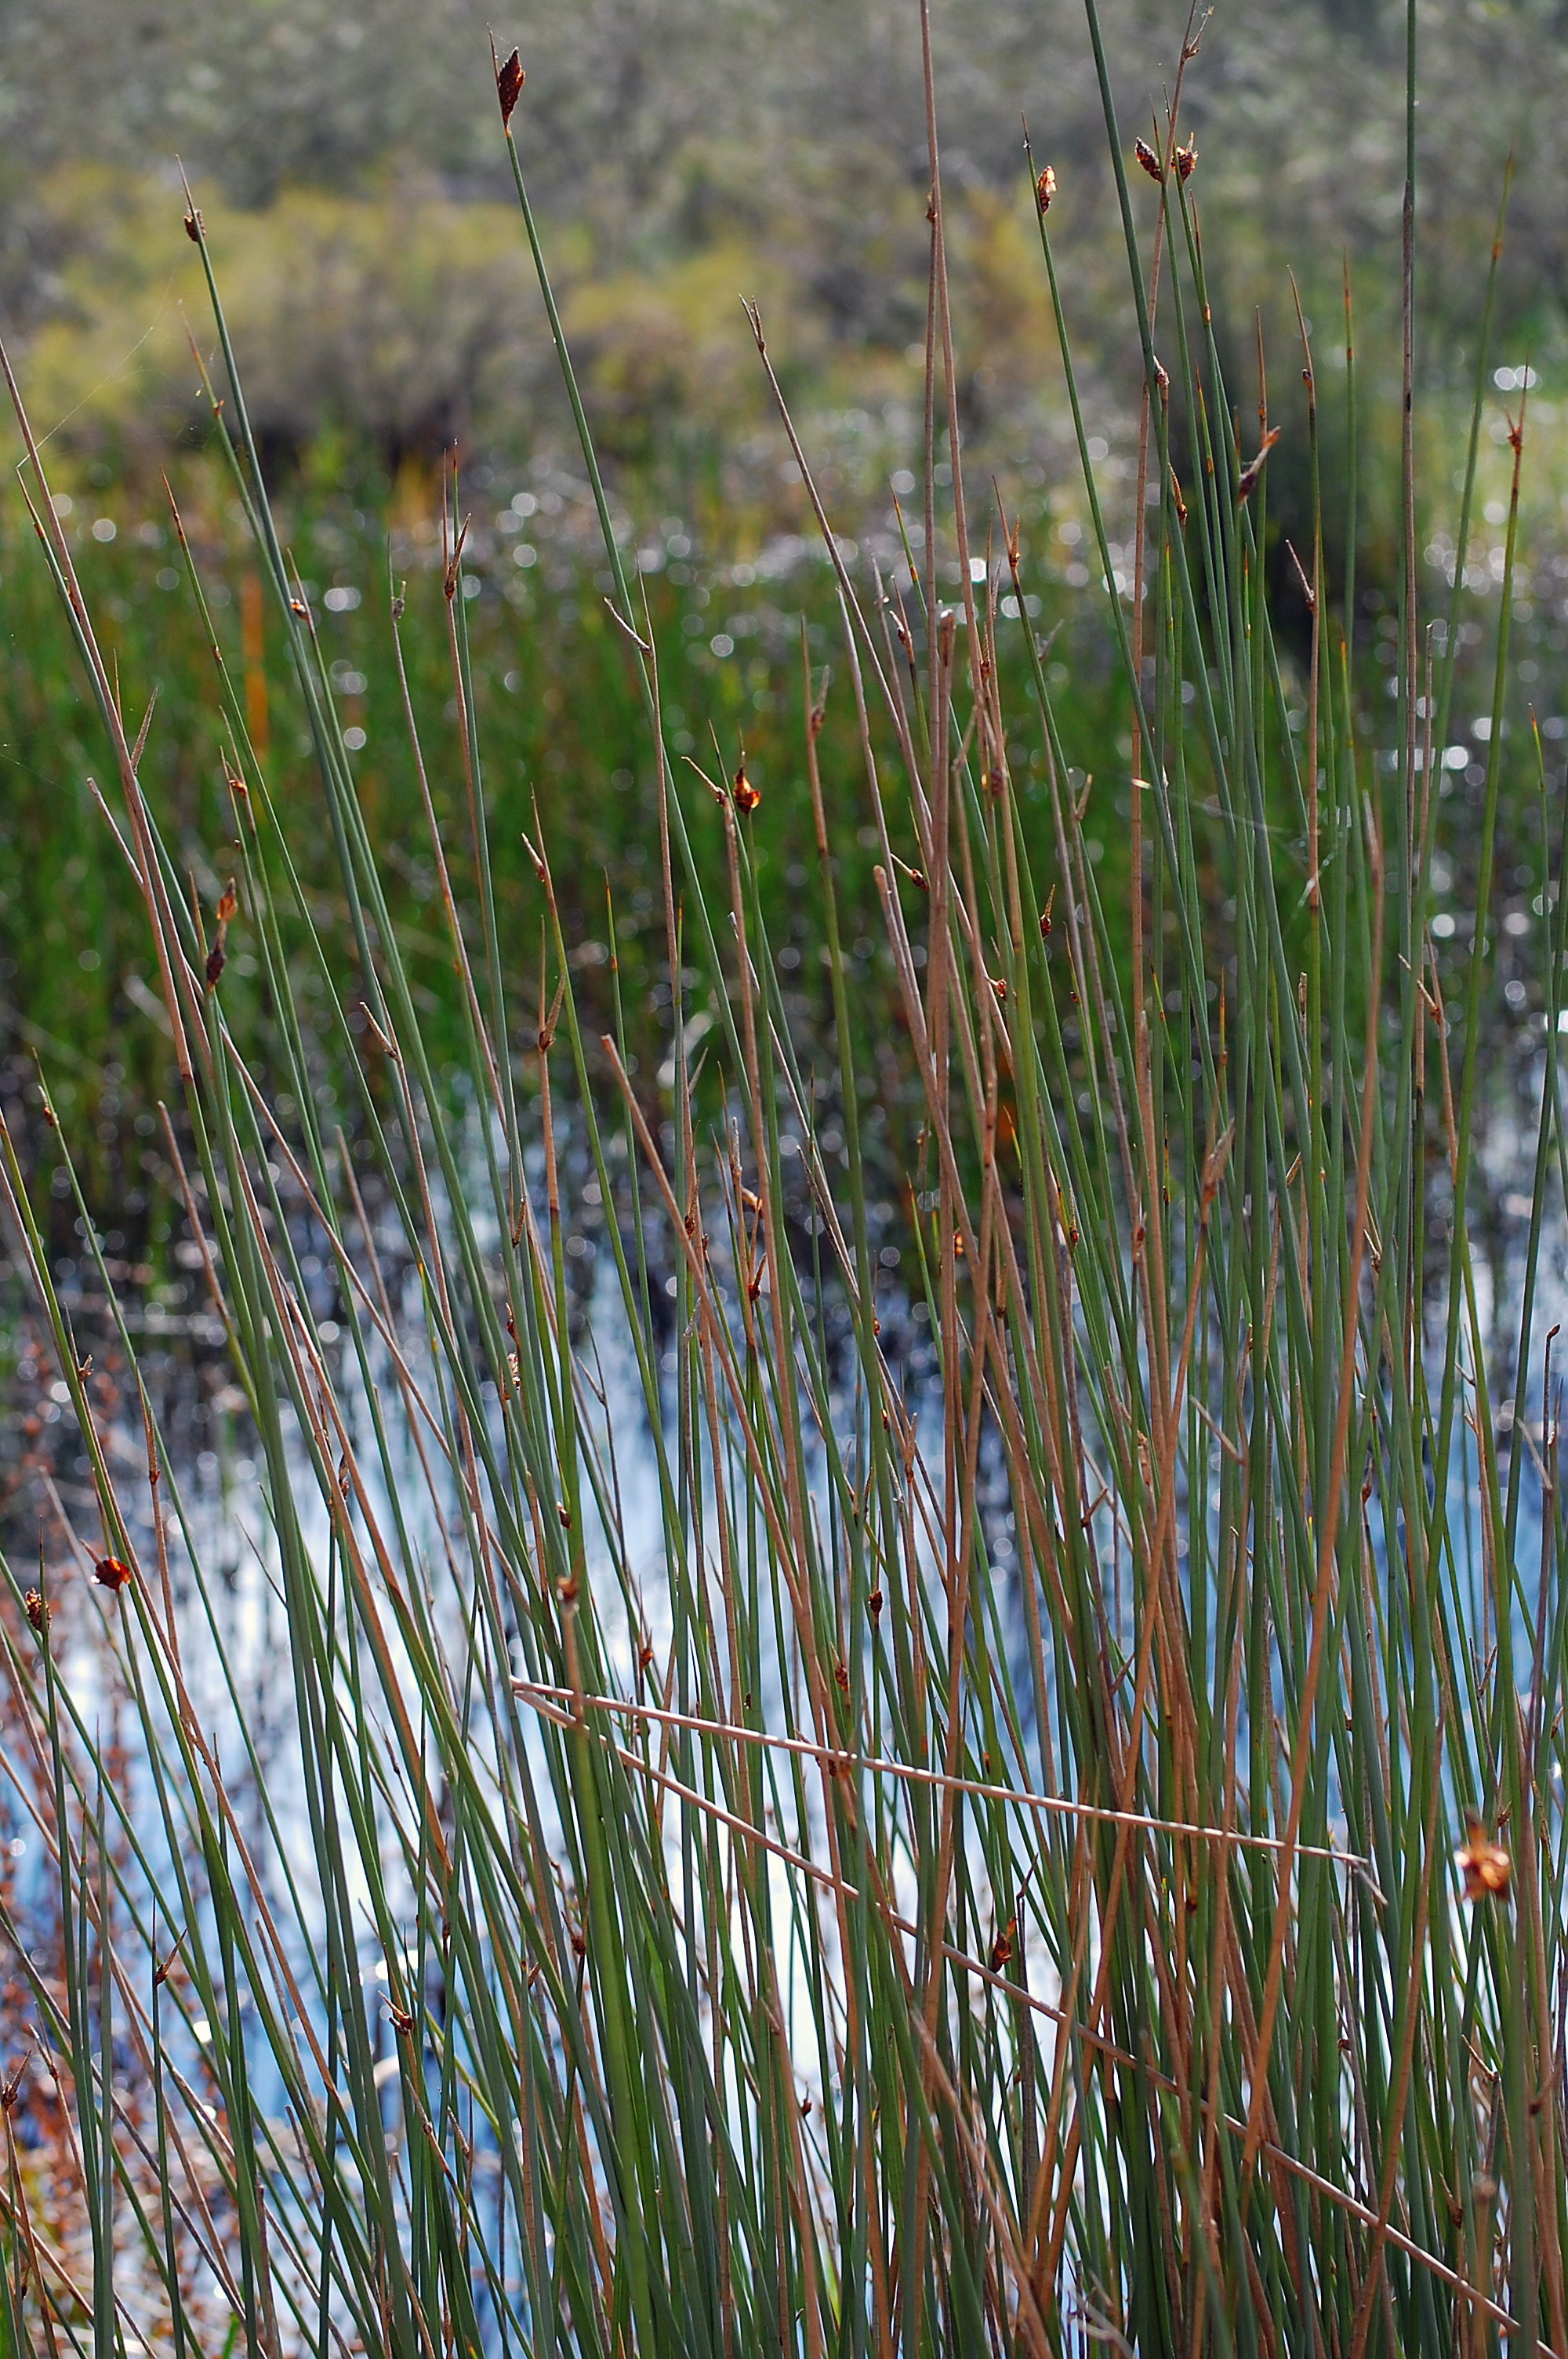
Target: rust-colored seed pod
(110,1573)
(1149,161)
(1045,188)
(1484,1865)
(1186,158)
(37,1611)
(509,80)
(1248,484)
(747,796)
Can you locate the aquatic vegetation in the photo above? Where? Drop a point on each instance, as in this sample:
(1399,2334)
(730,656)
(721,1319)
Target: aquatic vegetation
(984,1774)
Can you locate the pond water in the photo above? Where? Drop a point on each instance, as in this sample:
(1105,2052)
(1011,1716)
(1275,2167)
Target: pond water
(227,1585)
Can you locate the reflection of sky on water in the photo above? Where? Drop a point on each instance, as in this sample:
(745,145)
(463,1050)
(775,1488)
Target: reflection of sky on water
(233,1629)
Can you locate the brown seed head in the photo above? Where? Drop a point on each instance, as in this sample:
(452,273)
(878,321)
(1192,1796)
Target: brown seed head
(1484,1865)
(110,1573)
(1248,484)
(1002,1947)
(509,80)
(216,960)
(747,796)
(193,226)
(38,1612)
(874,1605)
(1149,161)
(1186,159)
(1045,188)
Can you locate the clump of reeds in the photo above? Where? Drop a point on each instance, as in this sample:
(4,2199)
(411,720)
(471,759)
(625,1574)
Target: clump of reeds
(975,1868)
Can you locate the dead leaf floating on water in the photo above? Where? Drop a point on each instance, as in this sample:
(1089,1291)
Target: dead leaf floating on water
(1485,1865)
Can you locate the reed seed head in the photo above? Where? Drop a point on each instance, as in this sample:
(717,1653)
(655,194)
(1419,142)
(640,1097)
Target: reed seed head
(1254,467)
(509,80)
(1486,1866)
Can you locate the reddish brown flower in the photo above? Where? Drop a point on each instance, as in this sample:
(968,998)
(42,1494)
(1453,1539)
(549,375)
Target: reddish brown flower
(1254,467)
(1486,1865)
(228,902)
(509,80)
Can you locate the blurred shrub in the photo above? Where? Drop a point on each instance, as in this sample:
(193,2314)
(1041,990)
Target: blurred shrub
(1297,103)
(409,321)
(400,317)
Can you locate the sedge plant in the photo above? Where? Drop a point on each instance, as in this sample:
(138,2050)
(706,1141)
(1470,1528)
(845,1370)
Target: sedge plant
(960,1855)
